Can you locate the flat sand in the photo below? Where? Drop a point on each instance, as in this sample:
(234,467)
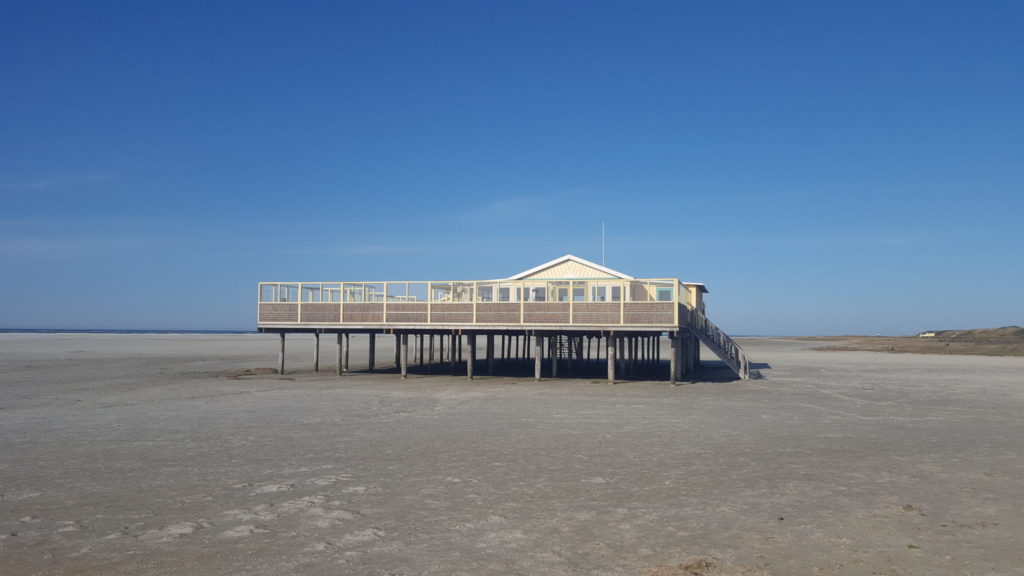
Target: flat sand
(154,454)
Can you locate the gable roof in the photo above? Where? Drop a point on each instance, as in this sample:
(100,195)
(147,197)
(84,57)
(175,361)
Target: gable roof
(571,267)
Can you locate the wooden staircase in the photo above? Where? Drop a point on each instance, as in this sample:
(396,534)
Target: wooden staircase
(721,344)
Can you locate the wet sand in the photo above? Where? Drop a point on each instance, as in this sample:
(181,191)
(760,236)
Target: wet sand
(149,454)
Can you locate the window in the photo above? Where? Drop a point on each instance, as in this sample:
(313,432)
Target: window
(616,293)
(486,293)
(579,292)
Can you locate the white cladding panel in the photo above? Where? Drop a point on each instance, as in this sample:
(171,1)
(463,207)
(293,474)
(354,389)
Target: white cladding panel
(569,269)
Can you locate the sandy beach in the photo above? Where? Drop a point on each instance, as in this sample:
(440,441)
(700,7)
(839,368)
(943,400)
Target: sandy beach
(157,454)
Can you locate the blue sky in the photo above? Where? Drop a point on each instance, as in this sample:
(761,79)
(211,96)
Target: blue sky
(825,167)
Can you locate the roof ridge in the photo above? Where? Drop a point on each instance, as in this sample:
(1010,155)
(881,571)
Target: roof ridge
(571,258)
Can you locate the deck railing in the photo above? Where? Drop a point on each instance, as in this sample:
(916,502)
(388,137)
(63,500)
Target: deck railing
(551,302)
(719,342)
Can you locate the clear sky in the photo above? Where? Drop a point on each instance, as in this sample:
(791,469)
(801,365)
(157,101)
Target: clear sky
(824,167)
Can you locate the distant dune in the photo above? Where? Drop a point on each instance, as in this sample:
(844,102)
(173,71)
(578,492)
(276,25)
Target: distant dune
(1005,341)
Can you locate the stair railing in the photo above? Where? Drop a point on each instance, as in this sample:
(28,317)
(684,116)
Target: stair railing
(720,343)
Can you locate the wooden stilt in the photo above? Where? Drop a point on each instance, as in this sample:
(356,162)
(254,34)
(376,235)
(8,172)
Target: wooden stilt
(404,357)
(634,348)
(677,353)
(280,356)
(348,346)
(430,360)
(453,352)
(316,351)
(490,354)
(571,349)
(537,353)
(372,350)
(610,354)
(618,355)
(553,351)
(398,349)
(341,352)
(634,355)
(673,360)
(471,359)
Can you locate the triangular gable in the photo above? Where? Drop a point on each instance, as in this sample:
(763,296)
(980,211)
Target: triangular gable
(570,266)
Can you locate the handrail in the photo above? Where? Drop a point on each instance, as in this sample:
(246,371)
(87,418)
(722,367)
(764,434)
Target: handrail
(720,343)
(469,291)
(585,300)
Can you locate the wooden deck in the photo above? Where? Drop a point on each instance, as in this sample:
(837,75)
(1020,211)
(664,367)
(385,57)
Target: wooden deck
(646,305)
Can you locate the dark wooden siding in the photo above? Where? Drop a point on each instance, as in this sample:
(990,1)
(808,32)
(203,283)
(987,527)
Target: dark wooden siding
(451,313)
(497,313)
(276,312)
(645,313)
(408,312)
(321,312)
(596,312)
(363,312)
(545,312)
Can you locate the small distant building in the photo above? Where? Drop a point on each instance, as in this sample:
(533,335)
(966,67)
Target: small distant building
(547,312)
(926,335)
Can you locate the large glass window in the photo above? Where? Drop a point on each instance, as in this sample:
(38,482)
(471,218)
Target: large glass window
(485,292)
(536,293)
(606,292)
(559,291)
(579,291)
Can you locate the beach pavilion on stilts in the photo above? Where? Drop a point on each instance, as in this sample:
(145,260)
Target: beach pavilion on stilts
(564,316)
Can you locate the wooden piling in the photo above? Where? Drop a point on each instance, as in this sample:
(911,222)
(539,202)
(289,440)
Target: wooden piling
(489,352)
(553,351)
(372,352)
(430,359)
(348,346)
(341,353)
(316,351)
(280,356)
(610,354)
(537,353)
(673,360)
(404,357)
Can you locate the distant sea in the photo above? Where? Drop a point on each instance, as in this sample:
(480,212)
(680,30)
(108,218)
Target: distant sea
(75,331)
